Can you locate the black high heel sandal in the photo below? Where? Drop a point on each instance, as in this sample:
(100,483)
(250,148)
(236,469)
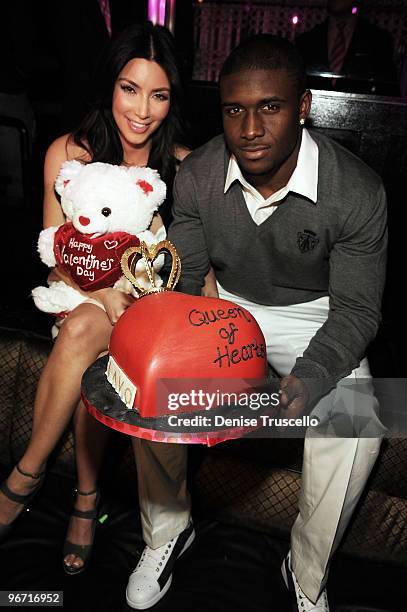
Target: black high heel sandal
(81,550)
(25,500)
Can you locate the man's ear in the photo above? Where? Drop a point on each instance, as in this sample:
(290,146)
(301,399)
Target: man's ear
(305,106)
(68,171)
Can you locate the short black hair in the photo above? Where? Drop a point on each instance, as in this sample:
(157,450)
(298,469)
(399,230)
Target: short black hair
(267,52)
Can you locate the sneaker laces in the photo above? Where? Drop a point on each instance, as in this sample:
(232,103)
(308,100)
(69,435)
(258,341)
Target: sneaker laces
(155,559)
(306,605)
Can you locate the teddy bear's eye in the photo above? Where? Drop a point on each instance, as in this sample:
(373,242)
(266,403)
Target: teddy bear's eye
(106,212)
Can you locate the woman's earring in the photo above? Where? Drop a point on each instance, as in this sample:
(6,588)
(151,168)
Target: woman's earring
(302,121)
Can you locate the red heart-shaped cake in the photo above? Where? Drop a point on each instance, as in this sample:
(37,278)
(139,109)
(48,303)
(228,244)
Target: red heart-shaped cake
(166,339)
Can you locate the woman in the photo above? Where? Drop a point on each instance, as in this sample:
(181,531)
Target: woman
(136,121)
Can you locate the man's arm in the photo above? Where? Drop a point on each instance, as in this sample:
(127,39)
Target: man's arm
(356,282)
(187,234)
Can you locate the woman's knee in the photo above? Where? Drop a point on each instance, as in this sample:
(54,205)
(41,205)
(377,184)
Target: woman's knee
(84,327)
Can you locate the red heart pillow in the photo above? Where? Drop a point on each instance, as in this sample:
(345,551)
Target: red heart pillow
(92,263)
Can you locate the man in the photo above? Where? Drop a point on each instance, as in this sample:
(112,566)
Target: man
(351,46)
(294,227)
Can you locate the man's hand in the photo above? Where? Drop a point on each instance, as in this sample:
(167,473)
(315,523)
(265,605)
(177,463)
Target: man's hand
(210,288)
(115,302)
(294,397)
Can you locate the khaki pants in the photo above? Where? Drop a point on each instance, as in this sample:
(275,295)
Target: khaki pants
(335,469)
(163,496)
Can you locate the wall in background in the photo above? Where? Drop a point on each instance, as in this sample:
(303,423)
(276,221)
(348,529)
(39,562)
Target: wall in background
(219,26)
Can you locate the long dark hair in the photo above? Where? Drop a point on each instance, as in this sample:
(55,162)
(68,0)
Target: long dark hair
(98,133)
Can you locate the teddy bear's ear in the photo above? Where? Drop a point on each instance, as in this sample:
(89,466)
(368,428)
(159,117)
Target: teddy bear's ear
(69,170)
(149,182)
(145,186)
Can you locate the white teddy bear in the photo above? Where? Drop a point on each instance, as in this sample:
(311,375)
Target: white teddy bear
(108,209)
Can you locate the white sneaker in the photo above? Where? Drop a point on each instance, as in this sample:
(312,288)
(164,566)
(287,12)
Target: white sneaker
(152,577)
(303,603)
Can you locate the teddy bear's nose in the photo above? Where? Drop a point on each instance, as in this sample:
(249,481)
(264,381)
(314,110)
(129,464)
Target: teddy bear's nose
(84,220)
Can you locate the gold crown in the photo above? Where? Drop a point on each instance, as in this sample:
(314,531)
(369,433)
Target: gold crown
(148,254)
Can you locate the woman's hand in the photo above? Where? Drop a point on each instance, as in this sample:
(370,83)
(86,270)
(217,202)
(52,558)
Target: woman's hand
(58,274)
(115,302)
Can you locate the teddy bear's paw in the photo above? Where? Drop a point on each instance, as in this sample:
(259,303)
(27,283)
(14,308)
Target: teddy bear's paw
(158,281)
(59,297)
(43,300)
(159,262)
(46,246)
(144,281)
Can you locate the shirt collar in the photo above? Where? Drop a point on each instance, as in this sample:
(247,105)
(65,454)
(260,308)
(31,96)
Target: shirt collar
(304,179)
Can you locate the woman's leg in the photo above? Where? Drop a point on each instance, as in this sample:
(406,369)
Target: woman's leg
(91,438)
(83,336)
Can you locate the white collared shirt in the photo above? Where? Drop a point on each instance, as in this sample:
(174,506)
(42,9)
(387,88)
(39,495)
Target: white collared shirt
(304,180)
